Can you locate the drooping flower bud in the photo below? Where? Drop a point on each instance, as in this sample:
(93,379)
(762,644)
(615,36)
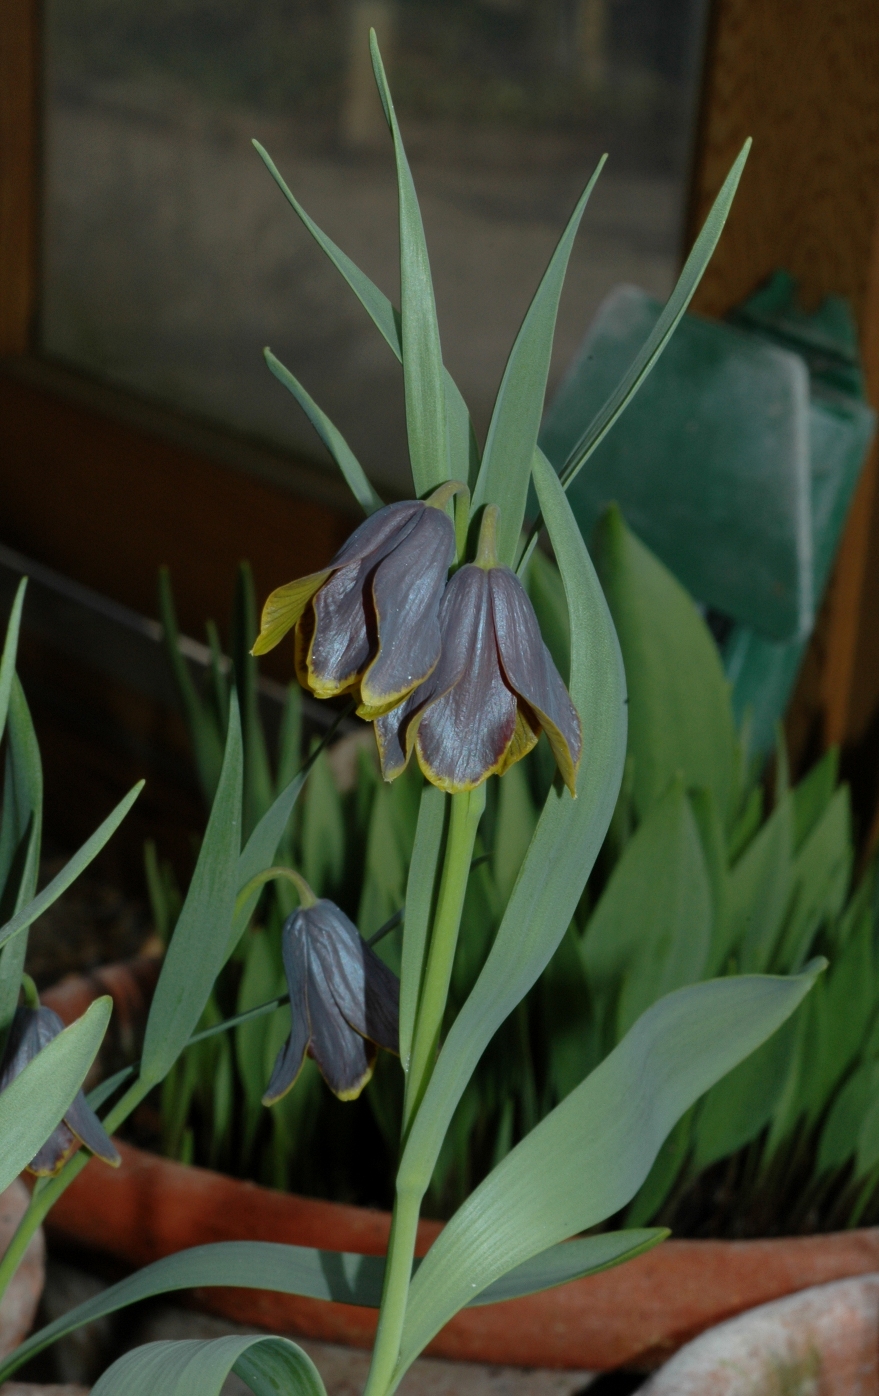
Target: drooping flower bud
(344,1002)
(493,691)
(33,1029)
(369,622)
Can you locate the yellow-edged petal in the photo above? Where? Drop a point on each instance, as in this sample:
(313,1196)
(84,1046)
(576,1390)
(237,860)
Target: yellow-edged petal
(284,607)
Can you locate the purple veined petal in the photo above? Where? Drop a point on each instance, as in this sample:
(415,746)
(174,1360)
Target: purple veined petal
(84,1123)
(345,1059)
(288,1062)
(530,670)
(388,525)
(53,1155)
(395,732)
(407,589)
(344,631)
(463,735)
(366,992)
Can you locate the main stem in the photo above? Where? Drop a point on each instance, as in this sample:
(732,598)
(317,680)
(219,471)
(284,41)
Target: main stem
(464,821)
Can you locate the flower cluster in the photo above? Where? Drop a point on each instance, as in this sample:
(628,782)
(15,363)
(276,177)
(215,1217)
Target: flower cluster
(454,670)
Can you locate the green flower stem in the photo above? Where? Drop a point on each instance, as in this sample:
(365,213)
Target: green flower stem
(48,1190)
(466,812)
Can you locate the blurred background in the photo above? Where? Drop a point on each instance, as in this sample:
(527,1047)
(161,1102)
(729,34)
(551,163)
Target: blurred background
(169,257)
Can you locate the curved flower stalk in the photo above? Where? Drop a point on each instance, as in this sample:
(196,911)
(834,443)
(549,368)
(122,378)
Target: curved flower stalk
(369,622)
(33,1028)
(344,1001)
(493,691)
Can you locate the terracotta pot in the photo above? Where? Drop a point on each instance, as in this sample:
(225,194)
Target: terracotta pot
(635,1315)
(820,1341)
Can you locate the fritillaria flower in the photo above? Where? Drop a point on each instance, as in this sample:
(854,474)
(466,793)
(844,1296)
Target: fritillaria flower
(494,689)
(33,1029)
(369,621)
(344,1001)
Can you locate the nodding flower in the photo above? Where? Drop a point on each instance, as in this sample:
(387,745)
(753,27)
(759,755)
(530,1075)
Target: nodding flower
(344,1001)
(368,622)
(33,1029)
(494,689)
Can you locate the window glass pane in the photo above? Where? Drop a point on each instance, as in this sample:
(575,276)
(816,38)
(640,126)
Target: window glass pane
(170,257)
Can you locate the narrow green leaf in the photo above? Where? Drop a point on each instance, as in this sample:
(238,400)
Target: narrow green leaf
(566,842)
(422,357)
(20,842)
(571,1260)
(206,740)
(332,438)
(760,887)
(505,473)
(197,950)
(742,1104)
(694,267)
(338,1276)
(10,651)
(258,785)
(420,893)
(680,715)
(199,1368)
(34,1103)
(651,929)
(587,1158)
(463,451)
(71,870)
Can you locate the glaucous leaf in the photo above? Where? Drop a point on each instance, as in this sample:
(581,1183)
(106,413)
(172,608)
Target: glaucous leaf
(20,841)
(331,437)
(691,275)
(589,1156)
(505,473)
(338,1276)
(463,451)
(423,379)
(192,1367)
(10,651)
(198,947)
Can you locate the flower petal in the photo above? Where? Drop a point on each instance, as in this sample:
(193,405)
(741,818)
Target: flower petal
(53,1155)
(530,670)
(365,991)
(464,733)
(283,609)
(387,525)
(407,589)
(346,1060)
(288,1062)
(344,635)
(84,1123)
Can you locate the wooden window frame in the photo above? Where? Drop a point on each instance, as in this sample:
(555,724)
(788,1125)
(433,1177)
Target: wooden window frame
(102,486)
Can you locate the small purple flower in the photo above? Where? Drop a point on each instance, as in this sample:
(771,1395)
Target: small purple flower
(369,621)
(494,689)
(344,1002)
(33,1029)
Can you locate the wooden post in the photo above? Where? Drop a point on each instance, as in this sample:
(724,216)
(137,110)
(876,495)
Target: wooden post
(802,78)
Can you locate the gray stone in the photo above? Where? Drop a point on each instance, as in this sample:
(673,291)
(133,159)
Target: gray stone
(19,1304)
